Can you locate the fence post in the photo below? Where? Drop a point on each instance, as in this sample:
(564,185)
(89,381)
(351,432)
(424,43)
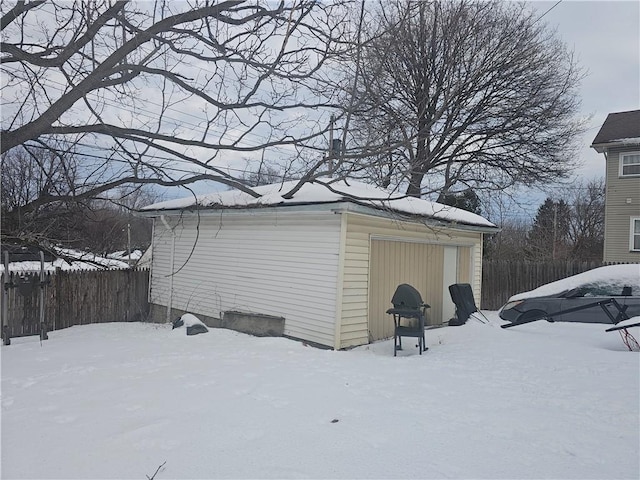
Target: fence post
(6,279)
(58,294)
(130,274)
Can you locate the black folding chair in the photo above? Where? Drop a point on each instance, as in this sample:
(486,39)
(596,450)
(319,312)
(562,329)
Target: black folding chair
(462,297)
(408,304)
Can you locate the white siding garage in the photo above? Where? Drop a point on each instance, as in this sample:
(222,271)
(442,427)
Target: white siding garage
(275,264)
(327,262)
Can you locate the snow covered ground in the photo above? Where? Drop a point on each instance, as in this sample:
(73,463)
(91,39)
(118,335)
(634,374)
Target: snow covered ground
(118,400)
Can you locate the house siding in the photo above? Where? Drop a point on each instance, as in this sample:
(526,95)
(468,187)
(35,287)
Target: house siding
(282,264)
(361,231)
(464,265)
(618,211)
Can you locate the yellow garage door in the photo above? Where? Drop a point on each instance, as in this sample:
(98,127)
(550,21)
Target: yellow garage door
(394,262)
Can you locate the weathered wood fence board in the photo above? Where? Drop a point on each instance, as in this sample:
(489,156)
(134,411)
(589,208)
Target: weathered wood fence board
(502,279)
(78,298)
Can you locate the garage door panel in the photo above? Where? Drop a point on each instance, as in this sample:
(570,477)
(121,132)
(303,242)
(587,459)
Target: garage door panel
(394,263)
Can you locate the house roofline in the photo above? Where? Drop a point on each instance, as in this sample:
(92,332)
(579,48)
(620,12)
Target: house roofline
(322,207)
(624,142)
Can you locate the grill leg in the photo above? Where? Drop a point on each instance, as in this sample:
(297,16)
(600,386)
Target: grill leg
(397,344)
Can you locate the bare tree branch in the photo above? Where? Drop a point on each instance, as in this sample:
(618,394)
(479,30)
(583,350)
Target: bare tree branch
(152,477)
(165,89)
(473,93)
(17,11)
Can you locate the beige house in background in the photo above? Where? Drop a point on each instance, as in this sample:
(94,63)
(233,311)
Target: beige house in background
(328,260)
(619,140)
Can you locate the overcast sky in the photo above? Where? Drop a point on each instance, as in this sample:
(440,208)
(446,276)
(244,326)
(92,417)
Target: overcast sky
(605,35)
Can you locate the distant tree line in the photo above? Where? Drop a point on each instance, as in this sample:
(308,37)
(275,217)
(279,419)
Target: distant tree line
(97,224)
(569,227)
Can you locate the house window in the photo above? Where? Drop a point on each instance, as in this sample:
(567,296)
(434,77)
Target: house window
(629,164)
(634,239)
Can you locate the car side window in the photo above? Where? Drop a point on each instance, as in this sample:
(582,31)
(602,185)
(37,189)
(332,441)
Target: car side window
(605,290)
(574,293)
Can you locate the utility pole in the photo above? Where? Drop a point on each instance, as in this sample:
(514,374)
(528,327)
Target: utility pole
(129,243)
(555,229)
(6,279)
(331,122)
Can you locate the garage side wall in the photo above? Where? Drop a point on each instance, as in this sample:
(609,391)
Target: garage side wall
(275,264)
(361,230)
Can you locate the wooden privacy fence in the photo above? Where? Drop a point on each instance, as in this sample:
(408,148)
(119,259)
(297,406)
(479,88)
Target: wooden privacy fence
(502,279)
(99,296)
(77,298)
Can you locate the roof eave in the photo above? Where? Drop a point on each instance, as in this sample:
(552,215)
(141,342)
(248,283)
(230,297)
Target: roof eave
(335,207)
(604,146)
(428,221)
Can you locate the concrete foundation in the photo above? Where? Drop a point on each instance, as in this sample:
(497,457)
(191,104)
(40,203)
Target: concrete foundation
(252,323)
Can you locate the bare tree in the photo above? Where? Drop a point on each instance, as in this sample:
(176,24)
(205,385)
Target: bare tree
(109,224)
(572,226)
(101,224)
(465,94)
(164,93)
(586,227)
(508,244)
(263,174)
(31,174)
(569,226)
(105,229)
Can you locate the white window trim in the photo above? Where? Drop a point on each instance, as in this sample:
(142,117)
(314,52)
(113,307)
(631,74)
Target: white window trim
(632,233)
(621,157)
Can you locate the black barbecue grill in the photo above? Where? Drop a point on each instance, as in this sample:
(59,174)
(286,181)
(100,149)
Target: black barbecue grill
(408,304)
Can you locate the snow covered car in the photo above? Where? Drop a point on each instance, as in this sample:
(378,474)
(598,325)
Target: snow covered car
(621,282)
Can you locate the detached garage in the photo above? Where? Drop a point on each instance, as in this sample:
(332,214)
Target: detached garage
(327,260)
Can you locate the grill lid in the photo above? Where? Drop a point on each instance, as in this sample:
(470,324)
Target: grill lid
(406,298)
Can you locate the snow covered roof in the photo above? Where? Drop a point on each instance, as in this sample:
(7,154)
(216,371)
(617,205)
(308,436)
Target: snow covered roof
(125,255)
(324,191)
(622,128)
(69,260)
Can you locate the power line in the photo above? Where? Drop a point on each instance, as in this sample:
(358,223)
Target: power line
(154,157)
(261,139)
(554,6)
